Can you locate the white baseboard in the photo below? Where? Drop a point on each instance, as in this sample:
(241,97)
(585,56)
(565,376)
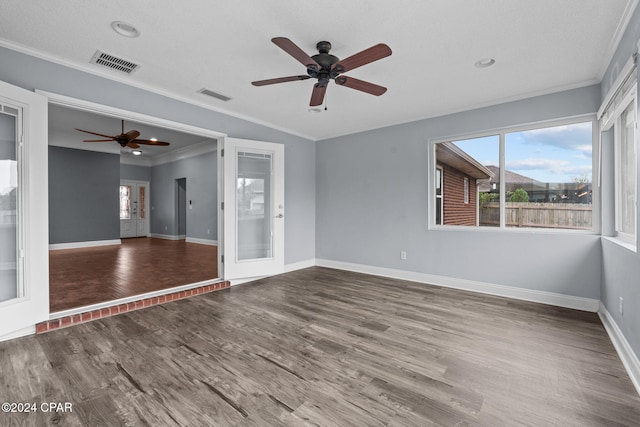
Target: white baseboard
(626,353)
(288,268)
(165,236)
(300,265)
(201,241)
(89,244)
(29,330)
(560,300)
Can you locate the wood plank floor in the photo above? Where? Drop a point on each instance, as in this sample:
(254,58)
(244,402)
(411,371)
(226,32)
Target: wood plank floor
(81,277)
(321,347)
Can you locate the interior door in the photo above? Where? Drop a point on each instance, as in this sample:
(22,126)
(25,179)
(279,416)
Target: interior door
(24,229)
(134,212)
(253,195)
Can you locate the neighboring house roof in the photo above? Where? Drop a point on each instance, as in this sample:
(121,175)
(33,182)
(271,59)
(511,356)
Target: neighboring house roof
(510,177)
(450,154)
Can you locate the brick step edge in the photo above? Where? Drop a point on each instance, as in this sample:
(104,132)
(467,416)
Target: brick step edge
(75,319)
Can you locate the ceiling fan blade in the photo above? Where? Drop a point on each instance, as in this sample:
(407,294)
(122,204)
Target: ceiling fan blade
(149,142)
(279,80)
(317,96)
(95,133)
(367,56)
(98,140)
(360,85)
(131,135)
(132,144)
(292,49)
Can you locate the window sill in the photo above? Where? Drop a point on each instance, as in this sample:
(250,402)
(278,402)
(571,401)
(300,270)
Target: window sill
(527,230)
(627,245)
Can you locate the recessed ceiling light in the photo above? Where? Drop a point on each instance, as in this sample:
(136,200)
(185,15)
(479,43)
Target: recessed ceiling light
(136,152)
(153,139)
(125,29)
(486,62)
(315,110)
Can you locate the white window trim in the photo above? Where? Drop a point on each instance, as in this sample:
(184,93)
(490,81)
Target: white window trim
(501,132)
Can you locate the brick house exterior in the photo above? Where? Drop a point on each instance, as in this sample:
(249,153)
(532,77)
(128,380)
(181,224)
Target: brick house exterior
(455,210)
(459,199)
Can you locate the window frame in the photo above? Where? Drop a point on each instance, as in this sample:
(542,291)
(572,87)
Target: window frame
(501,133)
(441,196)
(629,99)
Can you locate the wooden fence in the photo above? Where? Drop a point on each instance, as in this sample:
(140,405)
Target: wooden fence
(541,215)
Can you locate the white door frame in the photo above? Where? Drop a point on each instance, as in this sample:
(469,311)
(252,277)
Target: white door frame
(18,316)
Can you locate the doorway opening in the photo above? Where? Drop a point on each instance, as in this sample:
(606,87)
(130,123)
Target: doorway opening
(181,208)
(149,195)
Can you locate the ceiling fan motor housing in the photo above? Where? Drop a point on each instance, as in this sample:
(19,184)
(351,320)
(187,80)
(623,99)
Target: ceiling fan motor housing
(326,61)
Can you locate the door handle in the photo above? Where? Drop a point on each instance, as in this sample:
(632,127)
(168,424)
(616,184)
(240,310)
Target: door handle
(279,216)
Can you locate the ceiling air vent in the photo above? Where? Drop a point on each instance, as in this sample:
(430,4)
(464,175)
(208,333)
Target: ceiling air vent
(214,94)
(114,62)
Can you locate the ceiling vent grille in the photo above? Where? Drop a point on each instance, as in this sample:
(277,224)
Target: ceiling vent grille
(113,62)
(214,94)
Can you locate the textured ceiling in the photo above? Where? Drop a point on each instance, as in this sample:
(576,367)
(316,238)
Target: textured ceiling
(539,47)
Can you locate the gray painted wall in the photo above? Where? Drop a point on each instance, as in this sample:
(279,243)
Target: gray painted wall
(201,184)
(135,173)
(620,266)
(372,204)
(83,195)
(33,73)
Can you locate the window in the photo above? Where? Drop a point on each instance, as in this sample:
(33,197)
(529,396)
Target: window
(439,195)
(466,190)
(534,177)
(625,174)
(465,169)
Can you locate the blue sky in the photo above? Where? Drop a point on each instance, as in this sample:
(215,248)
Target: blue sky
(555,154)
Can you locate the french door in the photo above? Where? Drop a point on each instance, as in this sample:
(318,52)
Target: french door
(24,228)
(253,210)
(134,209)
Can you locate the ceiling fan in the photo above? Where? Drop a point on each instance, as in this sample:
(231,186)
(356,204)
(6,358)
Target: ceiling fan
(325,67)
(125,139)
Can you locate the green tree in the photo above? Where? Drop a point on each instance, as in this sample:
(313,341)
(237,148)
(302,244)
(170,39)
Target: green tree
(520,195)
(488,197)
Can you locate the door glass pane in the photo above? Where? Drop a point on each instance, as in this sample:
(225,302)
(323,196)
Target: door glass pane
(254,210)
(125,202)
(8,208)
(141,202)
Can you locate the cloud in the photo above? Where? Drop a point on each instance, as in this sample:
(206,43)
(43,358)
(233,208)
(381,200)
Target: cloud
(538,164)
(576,137)
(556,167)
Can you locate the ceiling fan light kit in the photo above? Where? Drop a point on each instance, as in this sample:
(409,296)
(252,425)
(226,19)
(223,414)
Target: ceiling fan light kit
(325,67)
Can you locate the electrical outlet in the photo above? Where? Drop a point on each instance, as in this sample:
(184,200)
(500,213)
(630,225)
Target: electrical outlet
(621,305)
(208,231)
(165,228)
(403,255)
